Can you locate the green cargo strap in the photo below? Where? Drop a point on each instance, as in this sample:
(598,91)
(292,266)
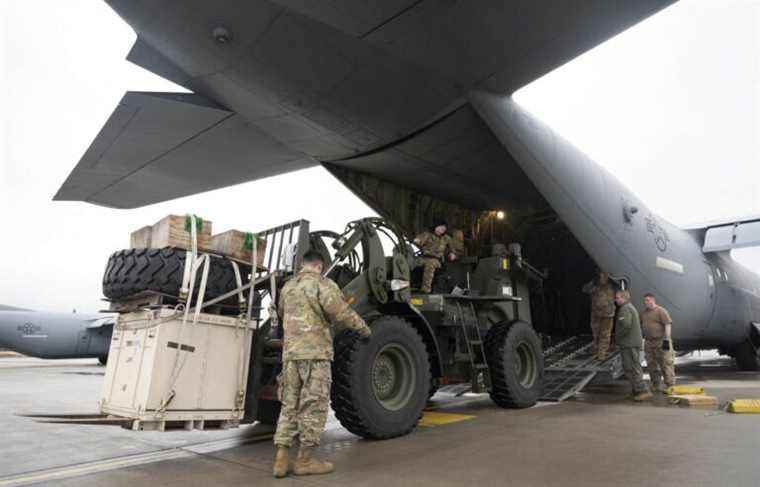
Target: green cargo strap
(198,223)
(248,241)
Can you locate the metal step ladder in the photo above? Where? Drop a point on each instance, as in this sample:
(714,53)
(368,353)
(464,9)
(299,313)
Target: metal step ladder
(570,365)
(468,320)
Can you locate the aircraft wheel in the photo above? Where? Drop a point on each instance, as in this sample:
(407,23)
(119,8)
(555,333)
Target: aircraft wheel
(380,386)
(746,356)
(516,362)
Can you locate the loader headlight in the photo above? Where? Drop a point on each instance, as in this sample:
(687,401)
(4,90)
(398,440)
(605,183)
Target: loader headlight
(399,284)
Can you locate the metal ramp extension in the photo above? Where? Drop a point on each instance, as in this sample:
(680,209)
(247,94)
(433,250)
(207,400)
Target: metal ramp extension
(570,366)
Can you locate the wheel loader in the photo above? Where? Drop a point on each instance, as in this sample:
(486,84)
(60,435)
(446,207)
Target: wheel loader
(473,329)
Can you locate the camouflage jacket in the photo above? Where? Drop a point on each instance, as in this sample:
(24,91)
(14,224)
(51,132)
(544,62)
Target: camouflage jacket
(602,299)
(308,304)
(432,245)
(457,246)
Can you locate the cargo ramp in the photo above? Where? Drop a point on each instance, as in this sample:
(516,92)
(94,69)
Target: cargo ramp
(570,366)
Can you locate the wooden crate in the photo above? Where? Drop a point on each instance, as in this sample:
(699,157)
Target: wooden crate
(173,231)
(233,244)
(140,239)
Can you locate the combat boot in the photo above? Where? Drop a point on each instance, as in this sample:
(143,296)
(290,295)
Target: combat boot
(281,460)
(642,396)
(307,465)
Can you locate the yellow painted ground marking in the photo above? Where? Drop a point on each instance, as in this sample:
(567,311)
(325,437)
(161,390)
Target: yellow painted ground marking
(683,390)
(744,406)
(431,418)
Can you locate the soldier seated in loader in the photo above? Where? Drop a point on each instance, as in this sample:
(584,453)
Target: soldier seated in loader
(435,245)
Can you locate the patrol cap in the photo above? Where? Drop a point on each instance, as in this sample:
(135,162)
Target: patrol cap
(313,257)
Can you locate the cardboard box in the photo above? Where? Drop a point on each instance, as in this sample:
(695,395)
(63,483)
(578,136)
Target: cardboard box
(142,369)
(238,245)
(174,231)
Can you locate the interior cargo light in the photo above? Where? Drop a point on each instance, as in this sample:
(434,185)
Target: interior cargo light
(399,284)
(500,215)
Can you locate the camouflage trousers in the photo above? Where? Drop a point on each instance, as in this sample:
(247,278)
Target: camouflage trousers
(659,363)
(601,328)
(304,390)
(632,369)
(429,266)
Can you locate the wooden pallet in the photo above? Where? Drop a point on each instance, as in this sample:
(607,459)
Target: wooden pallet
(188,425)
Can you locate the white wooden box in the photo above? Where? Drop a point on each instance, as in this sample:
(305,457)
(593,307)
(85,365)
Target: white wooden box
(153,354)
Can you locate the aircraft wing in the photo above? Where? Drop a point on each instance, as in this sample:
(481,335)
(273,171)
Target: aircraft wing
(160,146)
(294,83)
(4,307)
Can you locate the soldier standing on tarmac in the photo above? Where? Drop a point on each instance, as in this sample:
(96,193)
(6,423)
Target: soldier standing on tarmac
(658,346)
(434,246)
(308,303)
(602,313)
(628,338)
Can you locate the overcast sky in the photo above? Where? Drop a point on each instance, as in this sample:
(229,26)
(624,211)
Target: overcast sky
(671,106)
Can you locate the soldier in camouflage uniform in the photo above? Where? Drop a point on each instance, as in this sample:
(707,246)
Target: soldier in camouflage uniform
(628,338)
(434,246)
(308,303)
(658,347)
(602,312)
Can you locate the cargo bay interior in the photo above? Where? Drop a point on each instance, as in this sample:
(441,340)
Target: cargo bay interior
(470,180)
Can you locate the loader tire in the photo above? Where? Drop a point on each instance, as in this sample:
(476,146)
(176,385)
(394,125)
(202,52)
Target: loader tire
(746,356)
(132,271)
(516,362)
(380,386)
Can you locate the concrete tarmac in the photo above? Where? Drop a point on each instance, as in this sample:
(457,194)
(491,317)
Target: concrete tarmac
(598,438)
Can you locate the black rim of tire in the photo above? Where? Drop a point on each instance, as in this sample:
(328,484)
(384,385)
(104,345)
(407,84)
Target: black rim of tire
(393,376)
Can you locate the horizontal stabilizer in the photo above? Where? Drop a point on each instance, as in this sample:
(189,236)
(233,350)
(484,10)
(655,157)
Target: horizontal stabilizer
(160,146)
(100,322)
(736,235)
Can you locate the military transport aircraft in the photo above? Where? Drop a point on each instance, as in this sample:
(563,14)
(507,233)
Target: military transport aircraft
(409,104)
(55,335)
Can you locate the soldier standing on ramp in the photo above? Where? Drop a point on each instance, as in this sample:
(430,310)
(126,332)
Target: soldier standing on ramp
(434,246)
(658,346)
(628,338)
(602,313)
(308,303)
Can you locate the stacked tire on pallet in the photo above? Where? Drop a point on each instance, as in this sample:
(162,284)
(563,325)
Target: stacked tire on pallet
(132,271)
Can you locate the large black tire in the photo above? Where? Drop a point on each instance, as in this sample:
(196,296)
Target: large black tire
(380,386)
(746,357)
(132,271)
(516,362)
